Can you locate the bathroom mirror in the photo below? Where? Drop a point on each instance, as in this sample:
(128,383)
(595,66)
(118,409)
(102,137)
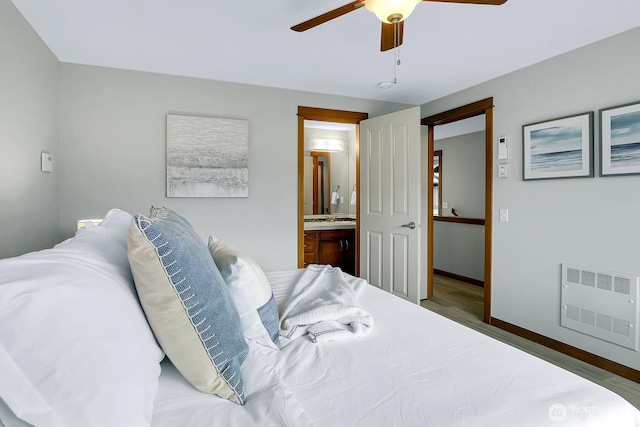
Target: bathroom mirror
(329,168)
(317,180)
(437,183)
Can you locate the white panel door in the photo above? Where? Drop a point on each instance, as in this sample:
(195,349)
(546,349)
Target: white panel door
(390,203)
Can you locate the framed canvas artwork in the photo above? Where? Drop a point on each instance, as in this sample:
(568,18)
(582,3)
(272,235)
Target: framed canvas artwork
(559,148)
(620,140)
(207,156)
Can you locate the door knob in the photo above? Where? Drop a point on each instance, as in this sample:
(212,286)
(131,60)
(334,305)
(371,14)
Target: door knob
(411,225)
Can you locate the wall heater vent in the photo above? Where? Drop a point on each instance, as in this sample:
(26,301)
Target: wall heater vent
(601,304)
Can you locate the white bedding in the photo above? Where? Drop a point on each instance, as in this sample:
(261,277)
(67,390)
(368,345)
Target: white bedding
(323,306)
(76,351)
(415,368)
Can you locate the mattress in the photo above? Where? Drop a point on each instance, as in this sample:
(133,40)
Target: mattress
(415,368)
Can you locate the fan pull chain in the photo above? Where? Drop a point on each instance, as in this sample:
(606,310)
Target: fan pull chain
(396,50)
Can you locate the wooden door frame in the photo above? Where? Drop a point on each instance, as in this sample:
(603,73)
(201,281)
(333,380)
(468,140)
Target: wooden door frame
(326,115)
(474,109)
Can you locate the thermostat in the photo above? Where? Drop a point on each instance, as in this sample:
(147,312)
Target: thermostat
(502,148)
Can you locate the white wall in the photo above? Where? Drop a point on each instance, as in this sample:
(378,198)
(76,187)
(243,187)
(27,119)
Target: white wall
(28,126)
(113,145)
(589,221)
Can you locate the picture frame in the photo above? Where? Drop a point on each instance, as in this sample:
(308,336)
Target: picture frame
(620,140)
(207,156)
(558,148)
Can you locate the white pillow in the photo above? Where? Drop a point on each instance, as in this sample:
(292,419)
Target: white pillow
(75,347)
(251,292)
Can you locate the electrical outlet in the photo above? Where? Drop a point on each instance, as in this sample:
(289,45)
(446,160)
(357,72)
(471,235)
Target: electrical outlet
(504,215)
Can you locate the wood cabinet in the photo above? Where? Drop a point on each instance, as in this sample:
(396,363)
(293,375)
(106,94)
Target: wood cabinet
(335,247)
(310,247)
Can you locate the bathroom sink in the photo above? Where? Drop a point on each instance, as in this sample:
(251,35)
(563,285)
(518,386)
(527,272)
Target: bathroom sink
(328,222)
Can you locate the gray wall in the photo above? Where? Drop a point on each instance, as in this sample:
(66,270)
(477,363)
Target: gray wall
(459,249)
(463,159)
(591,221)
(112,152)
(28,126)
(106,131)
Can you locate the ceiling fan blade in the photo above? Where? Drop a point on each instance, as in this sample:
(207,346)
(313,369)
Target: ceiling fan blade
(491,2)
(388,39)
(326,17)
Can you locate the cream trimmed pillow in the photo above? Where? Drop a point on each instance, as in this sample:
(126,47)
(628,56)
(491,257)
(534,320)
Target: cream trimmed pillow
(251,292)
(187,303)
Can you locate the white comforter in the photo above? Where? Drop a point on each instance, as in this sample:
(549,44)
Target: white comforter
(415,368)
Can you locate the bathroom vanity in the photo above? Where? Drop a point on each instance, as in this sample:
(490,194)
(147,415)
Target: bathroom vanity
(330,240)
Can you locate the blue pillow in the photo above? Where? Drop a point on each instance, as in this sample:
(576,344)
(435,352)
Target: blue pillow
(187,303)
(270,318)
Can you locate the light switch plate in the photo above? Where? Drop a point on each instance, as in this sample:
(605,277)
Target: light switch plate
(46,162)
(504,215)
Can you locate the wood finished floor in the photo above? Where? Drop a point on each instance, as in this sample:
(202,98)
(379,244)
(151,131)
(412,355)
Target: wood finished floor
(464,303)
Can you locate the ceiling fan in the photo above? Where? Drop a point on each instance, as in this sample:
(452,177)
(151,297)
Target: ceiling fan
(392,13)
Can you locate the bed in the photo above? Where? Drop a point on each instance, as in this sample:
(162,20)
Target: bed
(79,346)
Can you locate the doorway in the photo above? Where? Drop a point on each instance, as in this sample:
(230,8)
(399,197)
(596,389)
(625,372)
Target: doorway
(333,193)
(471,110)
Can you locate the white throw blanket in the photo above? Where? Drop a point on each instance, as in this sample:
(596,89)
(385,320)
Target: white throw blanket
(324,306)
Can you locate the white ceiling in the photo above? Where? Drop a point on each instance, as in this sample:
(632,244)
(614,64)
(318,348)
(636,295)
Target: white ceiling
(447,47)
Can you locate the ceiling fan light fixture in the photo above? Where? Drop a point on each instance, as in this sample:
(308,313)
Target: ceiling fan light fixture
(390,11)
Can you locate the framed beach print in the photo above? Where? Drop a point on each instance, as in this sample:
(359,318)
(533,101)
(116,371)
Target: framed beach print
(620,140)
(559,148)
(207,156)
